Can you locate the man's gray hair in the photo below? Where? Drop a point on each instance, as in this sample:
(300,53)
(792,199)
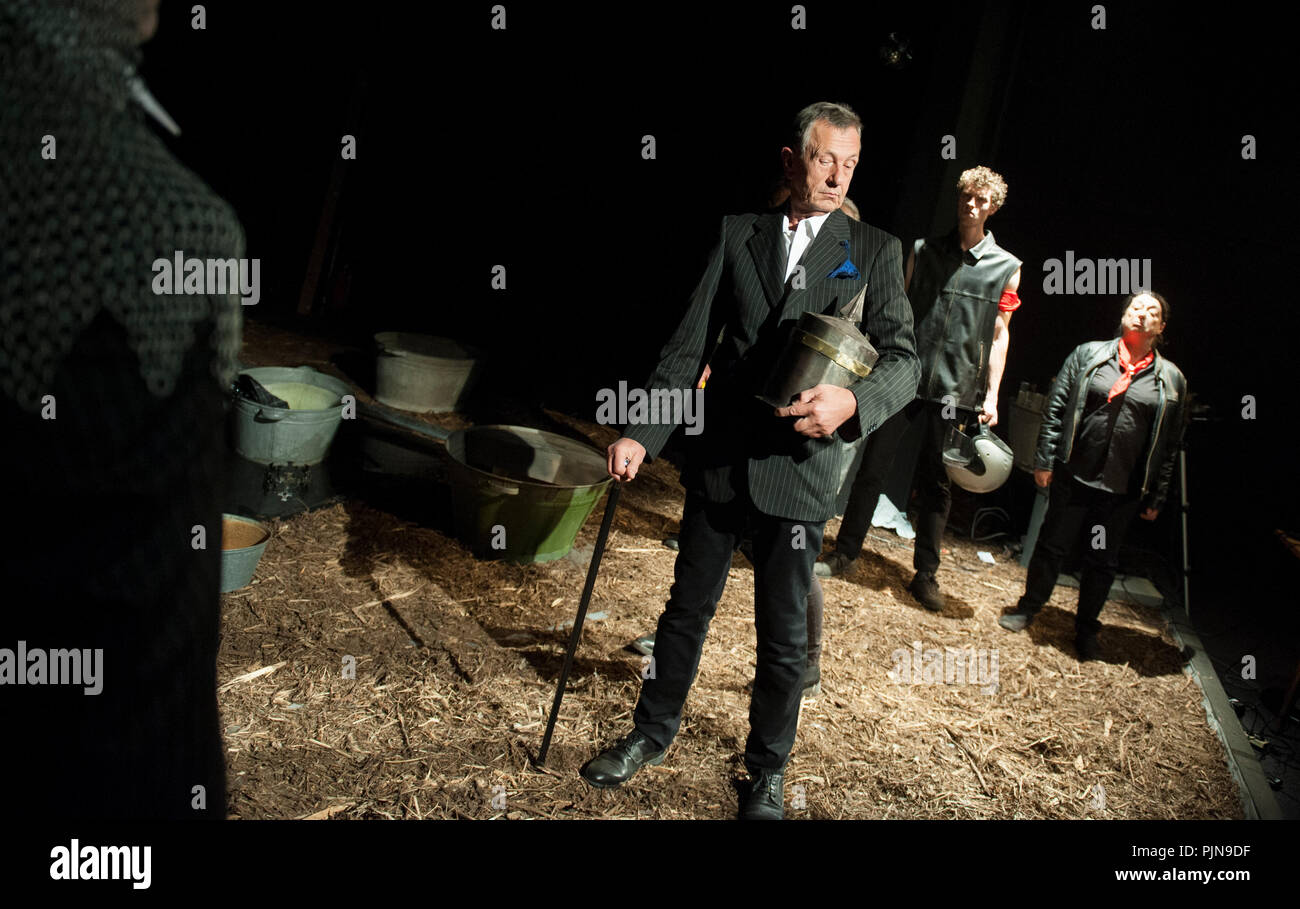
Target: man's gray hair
(840,116)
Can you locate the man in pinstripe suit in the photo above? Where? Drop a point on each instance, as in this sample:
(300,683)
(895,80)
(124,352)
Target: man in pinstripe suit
(773,473)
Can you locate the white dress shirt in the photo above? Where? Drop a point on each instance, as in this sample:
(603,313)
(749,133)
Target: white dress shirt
(798,240)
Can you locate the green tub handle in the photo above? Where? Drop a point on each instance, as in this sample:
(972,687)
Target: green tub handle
(262,417)
(504,490)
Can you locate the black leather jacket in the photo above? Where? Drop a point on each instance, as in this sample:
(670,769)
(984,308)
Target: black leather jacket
(1065,406)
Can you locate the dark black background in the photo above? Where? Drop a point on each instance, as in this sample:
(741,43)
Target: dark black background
(522,148)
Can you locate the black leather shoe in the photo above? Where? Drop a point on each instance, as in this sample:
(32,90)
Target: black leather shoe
(926,590)
(615,766)
(765,800)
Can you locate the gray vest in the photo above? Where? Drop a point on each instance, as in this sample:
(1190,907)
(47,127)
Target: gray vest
(954,297)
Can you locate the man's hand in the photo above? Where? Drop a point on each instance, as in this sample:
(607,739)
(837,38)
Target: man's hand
(822,409)
(990,414)
(1149,514)
(623,459)
(1043,477)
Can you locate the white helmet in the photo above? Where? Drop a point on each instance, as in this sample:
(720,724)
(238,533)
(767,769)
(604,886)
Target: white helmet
(979,463)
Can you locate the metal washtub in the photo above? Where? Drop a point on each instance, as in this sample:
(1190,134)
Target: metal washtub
(298,434)
(423,373)
(522,494)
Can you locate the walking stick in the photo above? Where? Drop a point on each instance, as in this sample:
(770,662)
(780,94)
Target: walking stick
(582,615)
(1186,506)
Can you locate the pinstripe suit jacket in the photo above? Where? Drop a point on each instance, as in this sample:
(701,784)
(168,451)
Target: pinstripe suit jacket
(743,446)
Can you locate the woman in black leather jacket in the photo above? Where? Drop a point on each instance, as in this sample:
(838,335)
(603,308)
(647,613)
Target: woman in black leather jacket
(1112,428)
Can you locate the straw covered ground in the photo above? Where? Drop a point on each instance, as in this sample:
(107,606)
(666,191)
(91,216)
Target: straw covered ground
(456,662)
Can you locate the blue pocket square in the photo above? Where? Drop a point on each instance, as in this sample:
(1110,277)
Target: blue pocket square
(846,270)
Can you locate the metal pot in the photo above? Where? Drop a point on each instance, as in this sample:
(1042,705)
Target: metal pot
(821,350)
(243,540)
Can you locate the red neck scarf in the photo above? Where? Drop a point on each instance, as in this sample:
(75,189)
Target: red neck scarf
(1128,369)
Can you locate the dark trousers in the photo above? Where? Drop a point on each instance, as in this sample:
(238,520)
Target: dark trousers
(815,602)
(1078,515)
(710,533)
(933,488)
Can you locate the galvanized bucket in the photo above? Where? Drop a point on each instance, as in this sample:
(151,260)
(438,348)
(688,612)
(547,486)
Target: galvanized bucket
(422,373)
(522,494)
(247,540)
(298,434)
(821,350)
(1025,423)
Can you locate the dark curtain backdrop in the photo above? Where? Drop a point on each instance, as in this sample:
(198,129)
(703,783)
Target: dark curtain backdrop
(522,148)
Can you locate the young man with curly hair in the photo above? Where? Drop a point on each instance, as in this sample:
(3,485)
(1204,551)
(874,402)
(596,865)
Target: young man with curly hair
(963,290)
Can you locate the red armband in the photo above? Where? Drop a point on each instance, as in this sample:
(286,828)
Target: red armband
(1010,301)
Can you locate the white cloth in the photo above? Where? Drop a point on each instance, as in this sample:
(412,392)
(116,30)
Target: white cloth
(798,240)
(891,518)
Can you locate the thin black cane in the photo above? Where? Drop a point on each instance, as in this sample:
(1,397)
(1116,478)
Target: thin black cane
(1185,507)
(582,615)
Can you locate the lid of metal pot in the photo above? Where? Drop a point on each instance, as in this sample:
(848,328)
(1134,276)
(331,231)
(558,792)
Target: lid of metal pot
(839,338)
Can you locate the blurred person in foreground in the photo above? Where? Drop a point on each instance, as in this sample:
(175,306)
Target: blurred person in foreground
(111,396)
